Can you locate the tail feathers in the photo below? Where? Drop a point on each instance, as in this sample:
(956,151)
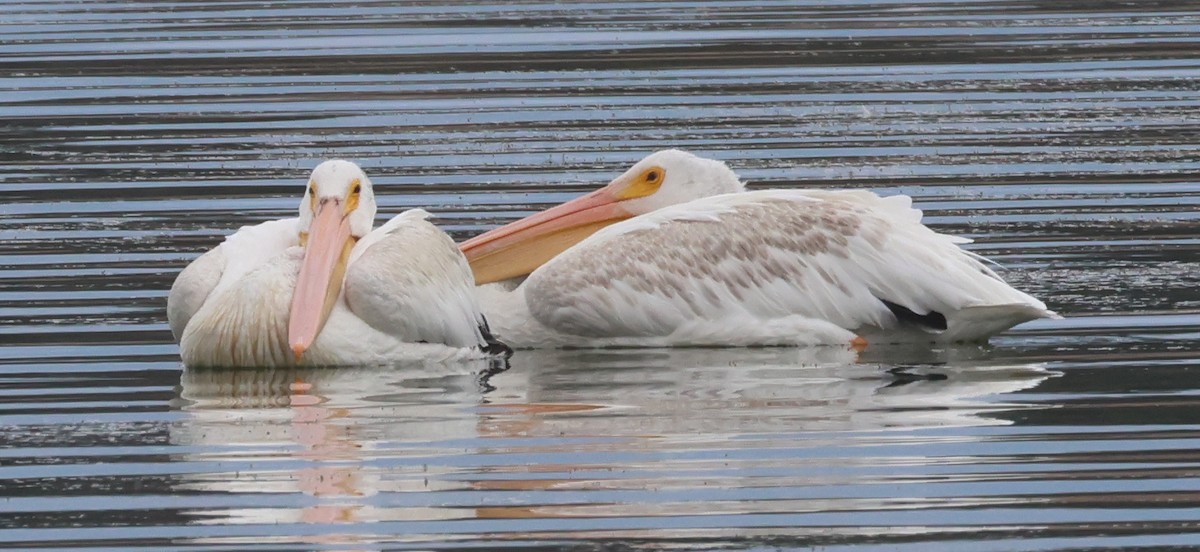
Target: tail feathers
(979,323)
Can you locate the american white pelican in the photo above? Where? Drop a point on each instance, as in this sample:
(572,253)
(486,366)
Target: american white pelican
(675,252)
(324,289)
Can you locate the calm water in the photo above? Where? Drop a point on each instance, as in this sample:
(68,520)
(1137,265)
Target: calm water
(1062,135)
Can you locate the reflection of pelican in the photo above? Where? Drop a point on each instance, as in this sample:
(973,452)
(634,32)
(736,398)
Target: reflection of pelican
(685,392)
(701,262)
(718,423)
(326,289)
(345,446)
(309,431)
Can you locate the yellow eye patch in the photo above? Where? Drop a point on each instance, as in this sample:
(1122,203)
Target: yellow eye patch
(645,184)
(355,192)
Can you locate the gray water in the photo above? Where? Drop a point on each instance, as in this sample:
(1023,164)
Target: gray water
(1062,136)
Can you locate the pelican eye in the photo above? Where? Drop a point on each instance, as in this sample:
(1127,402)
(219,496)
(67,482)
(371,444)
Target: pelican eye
(647,183)
(355,193)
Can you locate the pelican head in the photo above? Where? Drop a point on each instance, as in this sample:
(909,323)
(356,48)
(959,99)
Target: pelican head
(662,179)
(338,208)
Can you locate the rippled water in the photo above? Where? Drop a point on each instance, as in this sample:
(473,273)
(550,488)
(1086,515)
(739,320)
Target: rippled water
(1061,135)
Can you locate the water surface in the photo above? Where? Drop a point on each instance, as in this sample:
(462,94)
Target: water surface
(1060,135)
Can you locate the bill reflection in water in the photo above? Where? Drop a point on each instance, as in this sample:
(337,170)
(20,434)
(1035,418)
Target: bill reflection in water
(338,447)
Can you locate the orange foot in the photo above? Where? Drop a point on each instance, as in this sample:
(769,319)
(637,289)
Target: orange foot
(858,343)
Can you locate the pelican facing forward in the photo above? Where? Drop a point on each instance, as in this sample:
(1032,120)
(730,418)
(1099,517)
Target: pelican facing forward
(676,252)
(326,289)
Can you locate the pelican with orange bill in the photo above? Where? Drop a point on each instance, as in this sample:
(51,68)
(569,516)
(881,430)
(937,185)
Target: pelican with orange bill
(675,252)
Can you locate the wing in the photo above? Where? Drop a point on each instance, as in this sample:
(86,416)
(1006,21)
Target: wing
(192,287)
(241,252)
(408,279)
(850,258)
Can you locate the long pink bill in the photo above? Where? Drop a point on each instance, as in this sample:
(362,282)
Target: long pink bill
(320,279)
(519,248)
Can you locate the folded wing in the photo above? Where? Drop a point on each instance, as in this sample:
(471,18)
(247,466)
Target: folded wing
(240,252)
(850,258)
(408,279)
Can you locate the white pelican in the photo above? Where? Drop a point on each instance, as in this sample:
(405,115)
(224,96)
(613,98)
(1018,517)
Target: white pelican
(324,289)
(676,252)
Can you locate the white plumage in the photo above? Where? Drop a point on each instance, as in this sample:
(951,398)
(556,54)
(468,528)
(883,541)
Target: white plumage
(406,295)
(774,267)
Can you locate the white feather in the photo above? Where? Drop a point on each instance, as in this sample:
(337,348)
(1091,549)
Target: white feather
(225,265)
(758,268)
(408,280)
(408,294)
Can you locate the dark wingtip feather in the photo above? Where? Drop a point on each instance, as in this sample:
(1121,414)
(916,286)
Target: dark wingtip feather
(492,345)
(932,320)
